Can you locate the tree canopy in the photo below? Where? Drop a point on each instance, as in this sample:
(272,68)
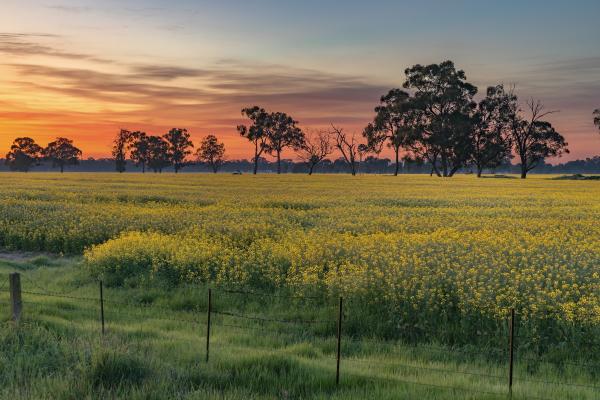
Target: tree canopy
(62,152)
(179,145)
(24,154)
(211,152)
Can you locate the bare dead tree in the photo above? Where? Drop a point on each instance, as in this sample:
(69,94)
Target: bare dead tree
(348,146)
(317,146)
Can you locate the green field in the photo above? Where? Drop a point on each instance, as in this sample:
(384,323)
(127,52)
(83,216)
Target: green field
(428,269)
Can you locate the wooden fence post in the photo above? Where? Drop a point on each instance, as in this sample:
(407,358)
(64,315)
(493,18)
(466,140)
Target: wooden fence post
(15,295)
(511,347)
(208,323)
(339,342)
(102,307)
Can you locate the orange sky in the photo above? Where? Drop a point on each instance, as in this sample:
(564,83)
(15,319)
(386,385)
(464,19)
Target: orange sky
(89,70)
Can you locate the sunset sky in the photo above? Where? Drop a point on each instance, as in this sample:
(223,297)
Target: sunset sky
(85,69)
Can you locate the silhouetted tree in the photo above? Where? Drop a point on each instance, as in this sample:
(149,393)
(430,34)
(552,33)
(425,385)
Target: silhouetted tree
(62,152)
(282,133)
(534,139)
(24,154)
(119,150)
(211,152)
(443,101)
(139,149)
(317,145)
(597,118)
(491,122)
(179,147)
(158,157)
(392,124)
(348,146)
(258,132)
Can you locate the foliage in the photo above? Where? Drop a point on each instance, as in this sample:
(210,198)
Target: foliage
(62,152)
(139,149)
(392,124)
(24,154)
(257,133)
(119,150)
(211,152)
(443,107)
(282,133)
(535,139)
(179,144)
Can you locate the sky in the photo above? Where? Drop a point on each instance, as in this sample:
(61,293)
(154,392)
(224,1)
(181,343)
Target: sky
(85,69)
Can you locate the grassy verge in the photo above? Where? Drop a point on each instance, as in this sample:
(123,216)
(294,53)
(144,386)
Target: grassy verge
(154,348)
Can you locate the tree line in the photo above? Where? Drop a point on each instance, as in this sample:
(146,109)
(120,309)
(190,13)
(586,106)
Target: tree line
(433,120)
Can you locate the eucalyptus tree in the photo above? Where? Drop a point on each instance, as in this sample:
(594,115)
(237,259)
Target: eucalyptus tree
(491,123)
(139,149)
(23,155)
(258,132)
(533,138)
(392,124)
(62,152)
(442,110)
(211,152)
(119,150)
(283,132)
(179,145)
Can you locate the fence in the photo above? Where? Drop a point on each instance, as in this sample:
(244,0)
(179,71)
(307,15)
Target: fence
(16,309)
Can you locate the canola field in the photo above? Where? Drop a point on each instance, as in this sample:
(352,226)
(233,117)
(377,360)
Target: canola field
(416,254)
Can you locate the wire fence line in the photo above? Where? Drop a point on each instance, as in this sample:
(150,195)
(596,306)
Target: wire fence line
(125,310)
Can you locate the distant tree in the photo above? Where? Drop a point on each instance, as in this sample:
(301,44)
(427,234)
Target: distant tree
(24,154)
(534,139)
(282,133)
(139,149)
(392,124)
(119,150)
(179,147)
(258,132)
(442,114)
(158,157)
(597,118)
(317,145)
(211,152)
(62,152)
(491,122)
(349,148)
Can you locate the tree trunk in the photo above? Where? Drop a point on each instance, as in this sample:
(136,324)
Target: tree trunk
(62,168)
(523,166)
(397,162)
(278,162)
(255,164)
(143,168)
(479,170)
(310,169)
(444,165)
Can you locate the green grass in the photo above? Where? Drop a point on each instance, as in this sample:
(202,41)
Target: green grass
(151,351)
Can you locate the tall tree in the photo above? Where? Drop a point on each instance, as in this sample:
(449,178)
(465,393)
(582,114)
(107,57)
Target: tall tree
(597,118)
(258,132)
(158,157)
(62,152)
(119,150)
(317,145)
(211,152)
(139,149)
(391,125)
(349,147)
(283,133)
(24,154)
(535,139)
(179,147)
(491,122)
(444,101)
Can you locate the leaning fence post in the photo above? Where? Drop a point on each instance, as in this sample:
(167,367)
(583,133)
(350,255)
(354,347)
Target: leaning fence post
(339,343)
(15,295)
(102,307)
(208,322)
(511,347)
